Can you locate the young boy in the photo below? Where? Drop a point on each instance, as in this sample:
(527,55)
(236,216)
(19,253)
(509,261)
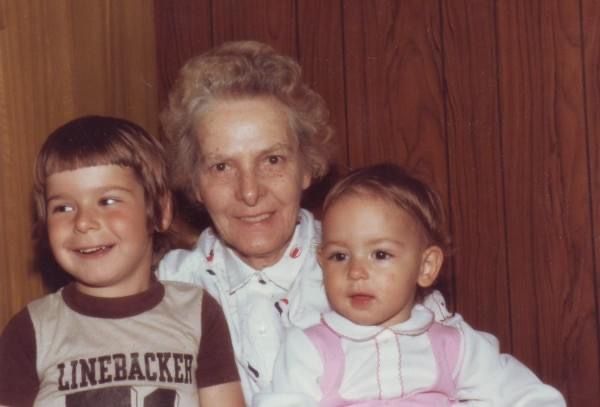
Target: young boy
(114,336)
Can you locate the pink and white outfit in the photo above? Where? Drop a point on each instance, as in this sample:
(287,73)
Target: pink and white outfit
(415,363)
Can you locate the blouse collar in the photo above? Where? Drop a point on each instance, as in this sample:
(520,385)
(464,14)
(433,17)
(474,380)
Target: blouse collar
(284,272)
(420,320)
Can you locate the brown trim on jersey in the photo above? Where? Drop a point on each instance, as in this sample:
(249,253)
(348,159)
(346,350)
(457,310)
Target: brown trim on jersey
(216,360)
(19,382)
(113,308)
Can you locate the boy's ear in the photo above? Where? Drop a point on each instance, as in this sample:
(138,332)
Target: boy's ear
(166,204)
(197,195)
(431,264)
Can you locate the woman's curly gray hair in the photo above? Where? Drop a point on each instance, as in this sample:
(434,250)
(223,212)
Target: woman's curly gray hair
(242,69)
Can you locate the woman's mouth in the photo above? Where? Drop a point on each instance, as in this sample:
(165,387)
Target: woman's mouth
(256,218)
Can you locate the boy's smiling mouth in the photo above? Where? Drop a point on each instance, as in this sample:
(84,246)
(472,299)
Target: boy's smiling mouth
(94,250)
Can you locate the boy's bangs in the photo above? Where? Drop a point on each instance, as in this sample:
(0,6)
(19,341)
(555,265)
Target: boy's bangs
(71,160)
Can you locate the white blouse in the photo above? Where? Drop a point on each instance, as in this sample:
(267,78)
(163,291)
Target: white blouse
(258,304)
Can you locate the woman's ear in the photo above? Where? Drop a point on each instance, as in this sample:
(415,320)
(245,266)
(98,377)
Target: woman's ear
(306,179)
(431,264)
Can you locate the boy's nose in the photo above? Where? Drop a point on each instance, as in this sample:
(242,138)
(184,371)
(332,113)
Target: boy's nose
(86,220)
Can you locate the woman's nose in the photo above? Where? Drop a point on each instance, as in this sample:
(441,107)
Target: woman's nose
(250,188)
(86,220)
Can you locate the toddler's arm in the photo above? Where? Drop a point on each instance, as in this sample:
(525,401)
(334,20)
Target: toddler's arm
(499,379)
(296,374)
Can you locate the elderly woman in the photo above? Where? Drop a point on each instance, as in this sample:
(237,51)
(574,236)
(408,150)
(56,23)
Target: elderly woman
(248,138)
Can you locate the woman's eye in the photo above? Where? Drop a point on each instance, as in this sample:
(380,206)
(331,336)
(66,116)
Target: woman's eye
(274,159)
(220,167)
(382,255)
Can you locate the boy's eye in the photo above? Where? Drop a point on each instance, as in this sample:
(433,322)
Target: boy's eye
(382,255)
(61,209)
(108,201)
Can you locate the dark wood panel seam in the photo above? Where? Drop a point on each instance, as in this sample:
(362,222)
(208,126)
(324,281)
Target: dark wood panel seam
(443,77)
(344,81)
(212,24)
(297,31)
(2,14)
(502,161)
(590,169)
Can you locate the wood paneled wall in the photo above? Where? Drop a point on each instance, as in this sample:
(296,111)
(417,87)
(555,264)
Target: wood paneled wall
(497,104)
(60,59)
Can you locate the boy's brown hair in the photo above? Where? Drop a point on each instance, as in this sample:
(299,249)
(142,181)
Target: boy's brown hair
(102,140)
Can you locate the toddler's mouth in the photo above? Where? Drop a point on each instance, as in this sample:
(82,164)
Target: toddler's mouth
(361,299)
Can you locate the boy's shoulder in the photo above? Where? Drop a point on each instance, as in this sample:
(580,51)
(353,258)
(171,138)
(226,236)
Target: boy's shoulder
(182,288)
(46,304)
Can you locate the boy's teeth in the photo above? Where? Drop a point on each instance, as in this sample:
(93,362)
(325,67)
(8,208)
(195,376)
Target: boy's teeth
(92,250)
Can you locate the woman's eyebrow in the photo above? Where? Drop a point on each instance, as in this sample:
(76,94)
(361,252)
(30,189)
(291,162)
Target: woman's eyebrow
(278,147)
(285,147)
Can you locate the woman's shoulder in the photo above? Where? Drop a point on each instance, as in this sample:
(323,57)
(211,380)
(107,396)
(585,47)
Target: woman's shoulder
(186,265)
(180,265)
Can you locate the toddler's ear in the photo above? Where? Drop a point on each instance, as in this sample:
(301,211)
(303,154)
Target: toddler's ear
(320,255)
(166,203)
(431,264)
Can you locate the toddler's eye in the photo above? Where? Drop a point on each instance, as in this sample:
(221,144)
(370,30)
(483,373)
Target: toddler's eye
(382,255)
(337,256)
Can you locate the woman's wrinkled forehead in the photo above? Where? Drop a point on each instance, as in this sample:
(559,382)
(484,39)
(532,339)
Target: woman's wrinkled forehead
(251,125)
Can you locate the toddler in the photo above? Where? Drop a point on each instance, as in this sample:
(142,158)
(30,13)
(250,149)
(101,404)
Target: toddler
(382,249)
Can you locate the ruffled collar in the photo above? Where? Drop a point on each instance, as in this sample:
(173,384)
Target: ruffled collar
(419,322)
